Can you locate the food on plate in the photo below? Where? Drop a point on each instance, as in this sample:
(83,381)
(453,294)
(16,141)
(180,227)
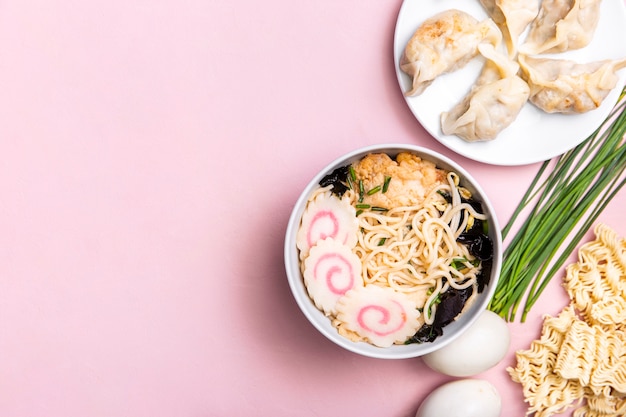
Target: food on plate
(562,26)
(444,43)
(421,243)
(492,104)
(580,361)
(462,398)
(566,196)
(331,270)
(565,86)
(380,315)
(529,28)
(512,17)
(481,347)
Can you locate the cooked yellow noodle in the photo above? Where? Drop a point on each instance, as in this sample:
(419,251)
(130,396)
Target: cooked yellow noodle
(412,248)
(419,247)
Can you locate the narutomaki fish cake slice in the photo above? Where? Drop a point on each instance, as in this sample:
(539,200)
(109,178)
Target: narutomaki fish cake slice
(331,270)
(381,315)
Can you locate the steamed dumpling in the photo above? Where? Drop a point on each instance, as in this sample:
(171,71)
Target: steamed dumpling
(562,25)
(564,86)
(493,102)
(444,43)
(512,16)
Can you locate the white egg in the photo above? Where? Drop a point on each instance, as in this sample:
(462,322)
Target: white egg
(462,398)
(479,348)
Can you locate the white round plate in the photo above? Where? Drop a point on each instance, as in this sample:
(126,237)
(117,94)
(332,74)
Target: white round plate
(534,136)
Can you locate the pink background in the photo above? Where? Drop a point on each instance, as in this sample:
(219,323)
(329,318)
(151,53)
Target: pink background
(151,151)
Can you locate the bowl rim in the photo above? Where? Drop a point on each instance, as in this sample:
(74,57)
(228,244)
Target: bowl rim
(322,323)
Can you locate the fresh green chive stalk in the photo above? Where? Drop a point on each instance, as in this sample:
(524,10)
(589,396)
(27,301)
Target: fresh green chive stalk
(563,201)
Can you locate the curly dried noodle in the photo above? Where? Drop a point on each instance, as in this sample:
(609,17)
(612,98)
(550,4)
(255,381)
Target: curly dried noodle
(580,358)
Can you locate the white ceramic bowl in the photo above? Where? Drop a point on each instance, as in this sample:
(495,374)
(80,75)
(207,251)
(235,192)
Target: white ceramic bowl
(323,324)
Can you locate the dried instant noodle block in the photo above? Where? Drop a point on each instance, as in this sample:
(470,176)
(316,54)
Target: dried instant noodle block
(604,405)
(580,358)
(610,368)
(545,391)
(575,358)
(597,282)
(593,356)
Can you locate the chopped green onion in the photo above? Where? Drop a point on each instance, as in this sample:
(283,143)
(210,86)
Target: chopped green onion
(358,212)
(352,173)
(563,204)
(461,263)
(434,302)
(458,263)
(375,208)
(444,194)
(361,191)
(350,182)
(374,190)
(363,206)
(386,184)
(382,241)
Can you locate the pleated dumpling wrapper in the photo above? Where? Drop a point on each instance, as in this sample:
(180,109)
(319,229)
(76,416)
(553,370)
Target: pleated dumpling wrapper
(327,216)
(562,26)
(379,315)
(331,270)
(492,104)
(564,86)
(444,43)
(512,17)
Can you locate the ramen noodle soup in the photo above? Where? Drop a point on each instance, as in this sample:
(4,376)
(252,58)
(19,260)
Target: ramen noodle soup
(392,249)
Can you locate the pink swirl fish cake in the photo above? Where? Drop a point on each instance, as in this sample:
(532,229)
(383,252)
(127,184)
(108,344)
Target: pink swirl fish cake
(380,315)
(330,270)
(327,216)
